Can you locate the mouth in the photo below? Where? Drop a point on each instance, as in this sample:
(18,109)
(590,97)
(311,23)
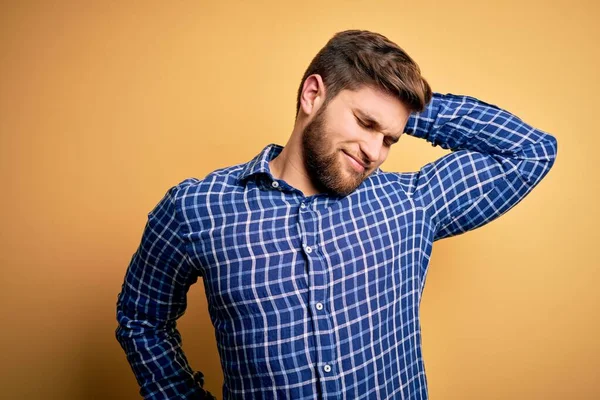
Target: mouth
(357,165)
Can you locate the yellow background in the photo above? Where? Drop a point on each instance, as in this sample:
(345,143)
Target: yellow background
(105,105)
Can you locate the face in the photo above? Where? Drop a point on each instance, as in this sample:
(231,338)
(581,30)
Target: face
(351,137)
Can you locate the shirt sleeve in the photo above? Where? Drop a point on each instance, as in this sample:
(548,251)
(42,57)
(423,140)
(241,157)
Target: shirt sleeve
(496,159)
(152,298)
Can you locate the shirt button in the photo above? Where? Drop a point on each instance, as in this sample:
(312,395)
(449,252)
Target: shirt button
(319,306)
(308,249)
(275,184)
(303,205)
(327,368)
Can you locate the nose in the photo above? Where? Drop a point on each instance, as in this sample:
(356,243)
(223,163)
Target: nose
(372,148)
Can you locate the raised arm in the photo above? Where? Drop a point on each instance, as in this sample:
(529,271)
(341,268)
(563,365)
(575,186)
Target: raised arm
(496,159)
(152,298)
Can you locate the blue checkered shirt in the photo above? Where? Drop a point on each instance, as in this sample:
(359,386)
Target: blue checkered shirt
(318,297)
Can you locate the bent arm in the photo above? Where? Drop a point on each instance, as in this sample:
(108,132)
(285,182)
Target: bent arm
(496,160)
(152,298)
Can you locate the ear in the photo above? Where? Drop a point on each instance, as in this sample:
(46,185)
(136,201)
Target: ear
(313,94)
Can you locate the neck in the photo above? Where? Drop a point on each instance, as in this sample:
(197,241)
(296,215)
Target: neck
(289,165)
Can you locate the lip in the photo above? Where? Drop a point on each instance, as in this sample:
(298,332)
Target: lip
(357,165)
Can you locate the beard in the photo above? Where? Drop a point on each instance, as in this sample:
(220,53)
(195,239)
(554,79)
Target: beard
(323,164)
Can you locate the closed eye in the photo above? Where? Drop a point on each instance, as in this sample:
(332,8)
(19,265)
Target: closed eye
(370,127)
(390,141)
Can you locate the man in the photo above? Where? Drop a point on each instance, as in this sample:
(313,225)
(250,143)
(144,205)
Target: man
(314,259)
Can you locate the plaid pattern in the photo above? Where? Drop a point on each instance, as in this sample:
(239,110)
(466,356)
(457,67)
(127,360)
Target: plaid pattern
(318,297)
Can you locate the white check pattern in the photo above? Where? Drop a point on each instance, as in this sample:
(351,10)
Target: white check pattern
(318,297)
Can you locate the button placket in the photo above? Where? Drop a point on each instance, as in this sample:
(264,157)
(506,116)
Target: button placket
(308,220)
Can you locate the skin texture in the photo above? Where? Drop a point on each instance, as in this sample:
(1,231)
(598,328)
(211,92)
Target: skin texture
(316,157)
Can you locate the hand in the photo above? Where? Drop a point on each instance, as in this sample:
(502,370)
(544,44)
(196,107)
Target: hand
(199,379)
(207,395)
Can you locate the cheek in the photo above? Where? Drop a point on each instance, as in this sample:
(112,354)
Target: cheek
(345,130)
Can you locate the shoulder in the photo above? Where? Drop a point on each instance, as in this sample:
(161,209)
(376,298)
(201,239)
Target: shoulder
(196,197)
(215,180)
(404,181)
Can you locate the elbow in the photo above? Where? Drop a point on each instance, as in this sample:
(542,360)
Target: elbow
(537,159)
(128,324)
(544,149)
(548,149)
(552,148)
(548,145)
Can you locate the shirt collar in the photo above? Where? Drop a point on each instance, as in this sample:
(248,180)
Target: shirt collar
(260,163)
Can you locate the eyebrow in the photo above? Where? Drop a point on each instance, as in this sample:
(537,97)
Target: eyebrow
(372,121)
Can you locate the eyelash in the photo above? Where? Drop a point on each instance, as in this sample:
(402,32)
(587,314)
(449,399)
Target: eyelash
(365,125)
(370,127)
